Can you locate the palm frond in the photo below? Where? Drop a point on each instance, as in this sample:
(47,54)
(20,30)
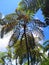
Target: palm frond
(46,42)
(14,37)
(38,33)
(22,15)
(43,57)
(8,27)
(3,54)
(32,5)
(9,17)
(21,39)
(2,22)
(46,48)
(39,23)
(39,45)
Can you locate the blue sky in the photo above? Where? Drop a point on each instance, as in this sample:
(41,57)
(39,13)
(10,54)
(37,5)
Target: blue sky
(9,6)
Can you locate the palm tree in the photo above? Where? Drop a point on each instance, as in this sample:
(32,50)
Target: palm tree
(24,26)
(34,54)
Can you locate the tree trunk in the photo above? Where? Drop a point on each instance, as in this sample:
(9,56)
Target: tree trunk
(16,61)
(31,59)
(26,41)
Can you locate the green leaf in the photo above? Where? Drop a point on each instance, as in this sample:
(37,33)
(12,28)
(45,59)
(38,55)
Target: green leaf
(46,42)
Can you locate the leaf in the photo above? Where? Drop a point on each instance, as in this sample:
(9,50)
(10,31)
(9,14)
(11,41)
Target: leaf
(9,17)
(38,33)
(22,15)
(32,5)
(2,22)
(2,54)
(46,42)
(1,61)
(22,5)
(8,27)
(14,37)
(39,23)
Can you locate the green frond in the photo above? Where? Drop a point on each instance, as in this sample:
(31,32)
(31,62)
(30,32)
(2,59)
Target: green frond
(22,5)
(39,23)
(46,42)
(2,54)
(20,50)
(8,27)
(38,33)
(1,61)
(14,37)
(31,5)
(45,62)
(9,17)
(2,22)
(46,48)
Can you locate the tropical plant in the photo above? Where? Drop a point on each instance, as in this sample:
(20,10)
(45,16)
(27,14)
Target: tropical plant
(24,26)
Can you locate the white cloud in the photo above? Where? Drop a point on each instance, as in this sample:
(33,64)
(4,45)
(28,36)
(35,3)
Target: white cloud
(2,16)
(4,41)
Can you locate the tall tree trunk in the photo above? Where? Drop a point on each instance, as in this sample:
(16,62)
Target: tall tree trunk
(16,61)
(20,64)
(26,41)
(31,58)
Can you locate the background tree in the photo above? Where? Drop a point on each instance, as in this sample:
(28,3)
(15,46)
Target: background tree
(46,48)
(45,10)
